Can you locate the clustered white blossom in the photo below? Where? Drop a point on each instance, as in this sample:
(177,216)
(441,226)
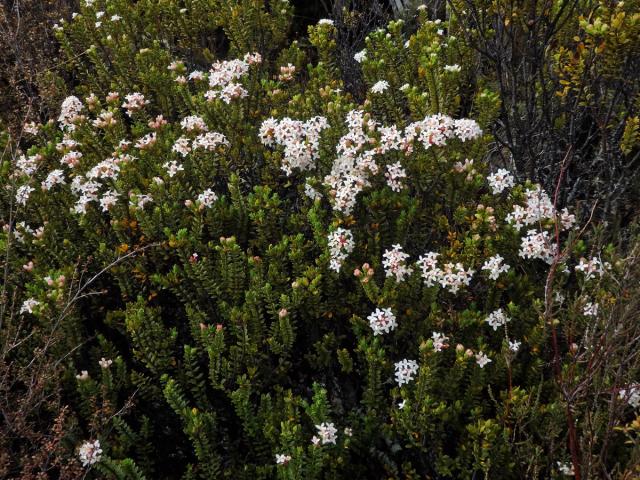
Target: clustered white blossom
(631,395)
(495,266)
(90,453)
(590,309)
(105,363)
(282,459)
(405,371)
(327,433)
(207,198)
(341,244)
(194,123)
(27,165)
(356,151)
(173,168)
(395,174)
(538,245)
(380,86)
(28,305)
(223,77)
(55,177)
(591,268)
(394,263)
(70,112)
(439,341)
(497,319)
(301,140)
(360,56)
(539,207)
(451,276)
(482,359)
(134,102)
(311,192)
(566,468)
(23,193)
(500,180)
(382,321)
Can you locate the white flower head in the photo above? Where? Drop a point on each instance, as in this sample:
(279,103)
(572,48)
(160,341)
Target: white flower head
(495,266)
(382,321)
(282,459)
(394,263)
(497,319)
(482,359)
(500,180)
(90,453)
(327,433)
(439,341)
(379,86)
(405,371)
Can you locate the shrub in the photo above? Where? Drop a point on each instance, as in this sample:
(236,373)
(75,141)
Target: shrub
(249,274)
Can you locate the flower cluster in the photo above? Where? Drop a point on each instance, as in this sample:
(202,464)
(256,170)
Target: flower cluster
(382,321)
(495,266)
(70,112)
(90,453)
(394,263)
(301,140)
(497,319)
(451,276)
(538,245)
(439,341)
(341,244)
(405,371)
(134,102)
(327,433)
(500,180)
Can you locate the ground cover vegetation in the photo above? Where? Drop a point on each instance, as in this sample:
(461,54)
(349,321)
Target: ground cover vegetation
(237,247)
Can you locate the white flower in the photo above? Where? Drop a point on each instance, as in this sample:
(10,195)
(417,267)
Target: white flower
(631,395)
(182,146)
(379,86)
(402,404)
(395,174)
(327,433)
(405,371)
(108,200)
(590,268)
(23,193)
(497,319)
(207,198)
(134,102)
(83,375)
(482,359)
(315,440)
(500,180)
(466,129)
(173,167)
(394,263)
(360,56)
(105,363)
(348,432)
(495,266)
(537,245)
(439,341)
(382,321)
(455,68)
(194,123)
(28,305)
(90,453)
(341,244)
(514,346)
(282,459)
(70,112)
(325,21)
(311,192)
(590,309)
(566,468)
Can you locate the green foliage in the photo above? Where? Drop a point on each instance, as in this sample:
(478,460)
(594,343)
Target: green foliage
(238,235)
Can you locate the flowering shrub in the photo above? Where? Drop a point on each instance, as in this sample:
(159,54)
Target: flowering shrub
(259,277)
